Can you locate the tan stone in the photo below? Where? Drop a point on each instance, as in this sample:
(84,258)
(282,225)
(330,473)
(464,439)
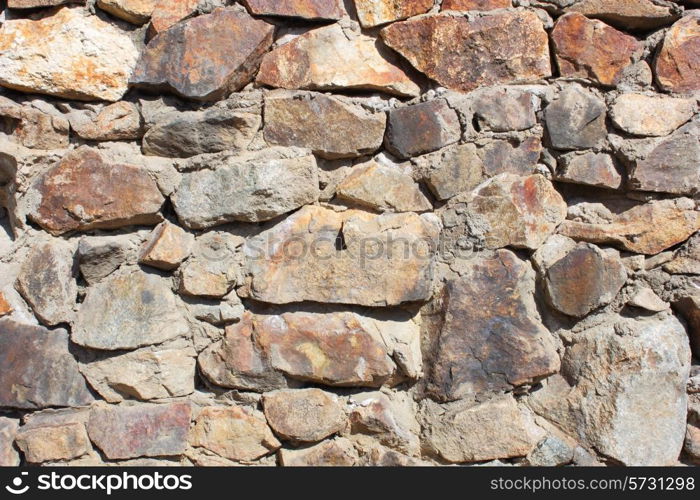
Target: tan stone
(375,12)
(50,443)
(33,4)
(133,11)
(166,247)
(116,122)
(677,59)
(338,452)
(594,169)
(304,415)
(645,115)
(34,128)
(214,266)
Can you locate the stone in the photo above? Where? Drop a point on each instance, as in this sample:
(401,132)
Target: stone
(511,156)
(234,432)
(593,169)
(302,258)
(503,109)
(422,128)
(47,55)
(302,120)
(454,170)
(250,187)
(644,115)
(32,127)
(214,266)
(588,48)
(33,4)
(513,47)
(674,222)
(584,279)
(372,13)
(338,452)
(381,188)
(505,346)
(116,122)
(47,282)
(576,120)
(311,62)
(627,14)
(615,376)
(686,259)
(487,431)
(50,443)
(8,454)
(127,312)
(304,415)
(133,11)
(645,298)
(173,61)
(85,191)
(689,308)
(476,4)
(38,369)
(143,374)
(100,256)
(304,9)
(148,430)
(192,133)
(167,13)
(692,443)
(678,56)
(5,307)
(166,247)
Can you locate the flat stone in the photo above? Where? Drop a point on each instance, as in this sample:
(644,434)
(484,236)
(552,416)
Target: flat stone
(372,13)
(148,430)
(128,311)
(476,4)
(301,259)
(311,62)
(677,59)
(422,128)
(645,298)
(513,47)
(627,14)
(116,122)
(304,9)
(505,346)
(213,269)
(47,55)
(338,452)
(50,443)
(234,432)
(454,170)
(133,11)
(8,454)
(587,48)
(33,128)
(100,256)
(84,191)
(644,115)
(576,120)
(173,60)
(38,369)
(304,415)
(593,169)
(503,109)
(166,247)
(167,13)
(250,187)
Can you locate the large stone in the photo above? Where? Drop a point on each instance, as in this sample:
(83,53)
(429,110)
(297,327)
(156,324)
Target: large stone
(327,59)
(8,454)
(174,61)
(593,169)
(304,415)
(677,59)
(321,255)
(674,222)
(133,11)
(250,187)
(375,12)
(627,14)
(167,13)
(38,369)
(476,4)
(48,55)
(328,126)
(463,54)
(337,452)
(84,191)
(214,266)
(617,377)
(123,432)
(576,120)
(645,115)
(505,345)
(32,127)
(422,128)
(304,9)
(53,442)
(116,122)
(166,247)
(234,432)
(129,311)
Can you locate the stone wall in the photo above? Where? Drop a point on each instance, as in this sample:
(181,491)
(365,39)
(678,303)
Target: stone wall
(305,232)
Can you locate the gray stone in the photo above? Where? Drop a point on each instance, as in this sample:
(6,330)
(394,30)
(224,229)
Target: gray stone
(8,454)
(576,120)
(593,169)
(502,109)
(304,415)
(100,256)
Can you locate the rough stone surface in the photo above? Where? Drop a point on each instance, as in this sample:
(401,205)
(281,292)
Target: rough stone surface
(376,12)
(213,268)
(502,109)
(678,56)
(337,452)
(645,115)
(32,4)
(5,307)
(576,120)
(32,127)
(304,9)
(593,169)
(100,256)
(476,4)
(689,308)
(166,13)
(52,443)
(133,11)
(166,247)
(453,170)
(627,14)
(118,121)
(8,454)
(304,415)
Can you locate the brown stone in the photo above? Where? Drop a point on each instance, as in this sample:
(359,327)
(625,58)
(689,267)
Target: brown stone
(689,308)
(166,247)
(53,442)
(213,268)
(375,12)
(116,122)
(686,260)
(513,47)
(83,191)
(174,60)
(33,4)
(677,59)
(33,128)
(148,430)
(591,49)
(594,169)
(627,14)
(304,415)
(167,13)
(338,452)
(476,4)
(5,307)
(304,9)
(8,454)
(511,156)
(133,11)
(325,59)
(453,170)
(502,109)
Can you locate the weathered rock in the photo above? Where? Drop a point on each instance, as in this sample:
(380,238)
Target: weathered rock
(511,47)
(214,267)
(338,452)
(166,247)
(234,432)
(677,59)
(167,13)
(645,298)
(383,188)
(686,260)
(422,128)
(54,442)
(476,4)
(47,55)
(511,156)
(83,191)
(645,115)
(100,256)
(5,307)
(302,259)
(129,311)
(312,62)
(250,187)
(453,170)
(376,12)
(613,378)
(47,282)
(38,369)
(122,432)
(116,122)
(689,308)
(235,44)
(505,345)
(304,9)
(304,415)
(576,120)
(8,430)
(196,132)
(627,14)
(133,11)
(692,442)
(591,49)
(33,128)
(593,169)
(33,4)
(674,222)
(502,109)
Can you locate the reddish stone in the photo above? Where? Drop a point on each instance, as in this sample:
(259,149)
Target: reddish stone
(166,13)
(305,9)
(679,57)
(476,4)
(375,12)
